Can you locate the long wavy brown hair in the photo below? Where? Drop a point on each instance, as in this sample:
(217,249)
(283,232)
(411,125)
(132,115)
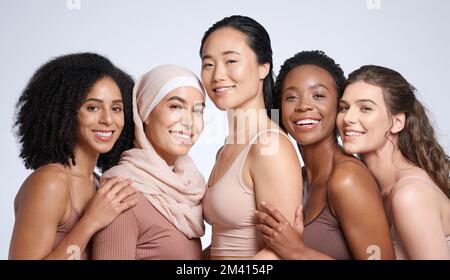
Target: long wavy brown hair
(417,141)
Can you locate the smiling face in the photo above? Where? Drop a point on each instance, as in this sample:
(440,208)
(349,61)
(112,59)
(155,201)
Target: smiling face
(101,117)
(309,104)
(363,120)
(230,70)
(175,123)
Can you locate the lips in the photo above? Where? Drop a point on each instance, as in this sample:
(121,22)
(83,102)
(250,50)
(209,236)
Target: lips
(352,134)
(103,135)
(182,136)
(222,90)
(306,123)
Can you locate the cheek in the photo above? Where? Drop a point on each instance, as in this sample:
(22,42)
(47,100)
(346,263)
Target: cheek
(198,124)
(85,119)
(339,121)
(120,120)
(287,109)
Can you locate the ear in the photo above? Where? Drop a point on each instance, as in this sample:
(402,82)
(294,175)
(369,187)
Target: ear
(264,70)
(398,123)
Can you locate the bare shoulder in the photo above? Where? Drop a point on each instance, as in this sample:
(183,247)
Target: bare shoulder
(350,175)
(46,186)
(411,194)
(271,145)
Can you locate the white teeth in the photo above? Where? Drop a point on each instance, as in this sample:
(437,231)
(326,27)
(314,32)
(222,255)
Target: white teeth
(307,121)
(103,134)
(222,89)
(353,133)
(183,136)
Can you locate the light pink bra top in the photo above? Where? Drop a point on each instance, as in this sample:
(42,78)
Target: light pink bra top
(229,206)
(400,251)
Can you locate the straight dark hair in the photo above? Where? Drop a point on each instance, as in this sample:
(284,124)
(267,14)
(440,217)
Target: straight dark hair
(258,40)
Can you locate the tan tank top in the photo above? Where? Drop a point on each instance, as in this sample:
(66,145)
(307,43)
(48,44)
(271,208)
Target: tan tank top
(64,228)
(400,251)
(229,206)
(325,235)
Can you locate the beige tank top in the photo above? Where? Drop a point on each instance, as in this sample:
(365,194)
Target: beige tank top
(64,228)
(400,251)
(229,206)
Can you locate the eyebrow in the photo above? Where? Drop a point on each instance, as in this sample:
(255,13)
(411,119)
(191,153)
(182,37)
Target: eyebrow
(309,87)
(182,100)
(101,101)
(318,85)
(366,100)
(223,53)
(359,101)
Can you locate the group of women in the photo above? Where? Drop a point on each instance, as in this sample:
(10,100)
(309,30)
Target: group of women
(384,193)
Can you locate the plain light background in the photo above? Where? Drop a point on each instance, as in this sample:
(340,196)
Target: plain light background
(412,37)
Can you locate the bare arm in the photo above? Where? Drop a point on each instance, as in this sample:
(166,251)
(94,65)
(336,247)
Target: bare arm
(277,179)
(357,204)
(417,220)
(40,209)
(284,237)
(359,210)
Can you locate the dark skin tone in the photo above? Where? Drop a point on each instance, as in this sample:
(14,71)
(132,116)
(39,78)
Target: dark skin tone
(309,109)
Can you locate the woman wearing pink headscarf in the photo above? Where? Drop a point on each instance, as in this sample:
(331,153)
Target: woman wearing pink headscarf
(167,221)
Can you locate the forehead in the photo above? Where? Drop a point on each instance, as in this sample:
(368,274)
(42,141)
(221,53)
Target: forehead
(225,39)
(363,90)
(105,88)
(190,94)
(308,74)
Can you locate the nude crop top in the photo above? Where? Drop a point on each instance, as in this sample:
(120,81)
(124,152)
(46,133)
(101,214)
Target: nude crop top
(229,207)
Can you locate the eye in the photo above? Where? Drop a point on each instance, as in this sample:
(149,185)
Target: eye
(343,109)
(318,96)
(117,109)
(231,61)
(198,111)
(290,98)
(92,108)
(176,107)
(365,109)
(207,65)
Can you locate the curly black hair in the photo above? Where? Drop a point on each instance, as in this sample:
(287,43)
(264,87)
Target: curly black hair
(46,116)
(317,58)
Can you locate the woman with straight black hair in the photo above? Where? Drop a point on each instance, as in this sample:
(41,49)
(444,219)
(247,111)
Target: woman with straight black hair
(258,162)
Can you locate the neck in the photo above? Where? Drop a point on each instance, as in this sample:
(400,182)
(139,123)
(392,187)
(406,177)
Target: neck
(247,120)
(168,158)
(85,162)
(386,164)
(318,158)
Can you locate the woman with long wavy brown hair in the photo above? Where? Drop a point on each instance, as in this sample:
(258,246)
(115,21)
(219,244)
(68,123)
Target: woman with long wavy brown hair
(381,119)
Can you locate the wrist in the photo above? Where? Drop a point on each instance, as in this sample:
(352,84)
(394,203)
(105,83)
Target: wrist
(88,226)
(300,252)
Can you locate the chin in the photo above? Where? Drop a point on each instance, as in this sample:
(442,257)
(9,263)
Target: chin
(350,149)
(102,149)
(179,151)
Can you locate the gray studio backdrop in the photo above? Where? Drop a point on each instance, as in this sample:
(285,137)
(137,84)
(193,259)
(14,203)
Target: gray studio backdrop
(409,36)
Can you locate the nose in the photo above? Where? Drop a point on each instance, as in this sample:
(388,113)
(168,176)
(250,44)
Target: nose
(304,105)
(219,73)
(187,120)
(106,118)
(350,116)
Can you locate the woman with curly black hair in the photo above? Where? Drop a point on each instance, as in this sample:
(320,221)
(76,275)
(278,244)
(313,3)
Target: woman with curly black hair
(74,114)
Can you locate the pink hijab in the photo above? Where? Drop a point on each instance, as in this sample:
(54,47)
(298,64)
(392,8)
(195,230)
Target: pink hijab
(176,192)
